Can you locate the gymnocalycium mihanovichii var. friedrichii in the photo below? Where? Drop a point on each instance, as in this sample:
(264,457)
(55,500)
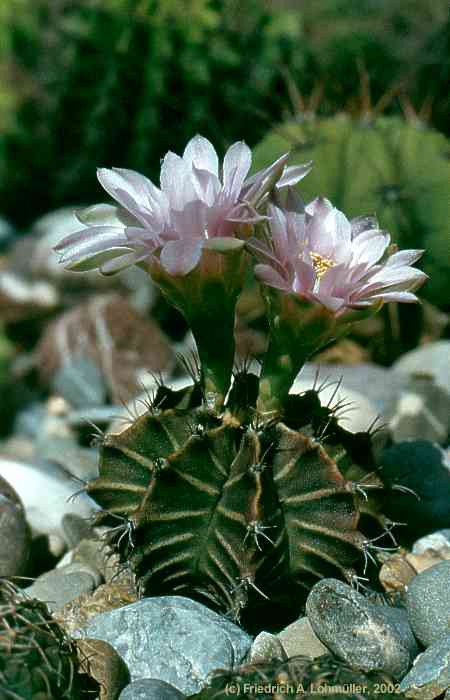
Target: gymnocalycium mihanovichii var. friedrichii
(234,491)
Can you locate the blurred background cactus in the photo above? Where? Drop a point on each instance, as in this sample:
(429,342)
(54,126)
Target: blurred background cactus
(119,82)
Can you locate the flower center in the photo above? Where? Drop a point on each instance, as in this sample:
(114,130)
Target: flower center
(321,264)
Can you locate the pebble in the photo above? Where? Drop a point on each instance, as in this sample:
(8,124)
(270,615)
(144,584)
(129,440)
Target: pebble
(368,637)
(150,689)
(173,639)
(422,411)
(75,530)
(100,661)
(266,647)
(14,533)
(47,493)
(80,382)
(428,603)
(62,585)
(436,541)
(423,467)
(430,675)
(299,639)
(432,358)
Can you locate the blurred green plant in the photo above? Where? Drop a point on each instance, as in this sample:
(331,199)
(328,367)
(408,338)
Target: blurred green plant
(120,82)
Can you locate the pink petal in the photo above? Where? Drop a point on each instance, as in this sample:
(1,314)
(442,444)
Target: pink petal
(404,257)
(255,188)
(177,181)
(92,239)
(105,215)
(190,222)
(236,165)
(181,257)
(207,185)
(130,189)
(403,297)
(369,247)
(319,206)
(200,153)
(293,174)
(268,275)
(332,303)
(121,263)
(305,276)
(278,231)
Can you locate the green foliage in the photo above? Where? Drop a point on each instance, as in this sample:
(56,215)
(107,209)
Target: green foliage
(124,81)
(241,510)
(388,39)
(36,658)
(399,171)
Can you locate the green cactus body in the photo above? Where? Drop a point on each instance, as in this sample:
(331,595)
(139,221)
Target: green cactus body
(237,510)
(36,658)
(398,170)
(299,677)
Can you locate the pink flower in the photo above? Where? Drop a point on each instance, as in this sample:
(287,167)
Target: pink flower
(317,254)
(195,207)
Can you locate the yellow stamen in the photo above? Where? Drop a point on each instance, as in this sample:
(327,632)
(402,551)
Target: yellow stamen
(321,264)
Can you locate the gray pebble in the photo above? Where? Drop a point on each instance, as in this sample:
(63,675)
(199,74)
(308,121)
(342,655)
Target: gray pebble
(171,638)
(75,529)
(430,675)
(432,357)
(368,637)
(435,541)
(299,639)
(47,493)
(150,689)
(59,586)
(80,382)
(428,603)
(14,533)
(265,647)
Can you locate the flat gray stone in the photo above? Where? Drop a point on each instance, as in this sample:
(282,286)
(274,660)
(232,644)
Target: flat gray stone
(428,603)
(432,358)
(368,637)
(171,638)
(299,639)
(80,382)
(47,493)
(430,675)
(422,411)
(150,689)
(435,541)
(60,586)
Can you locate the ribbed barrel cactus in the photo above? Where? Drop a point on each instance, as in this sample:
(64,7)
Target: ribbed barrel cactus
(37,660)
(234,491)
(300,678)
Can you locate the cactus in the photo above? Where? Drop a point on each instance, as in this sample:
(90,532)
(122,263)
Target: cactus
(300,677)
(36,657)
(399,170)
(239,510)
